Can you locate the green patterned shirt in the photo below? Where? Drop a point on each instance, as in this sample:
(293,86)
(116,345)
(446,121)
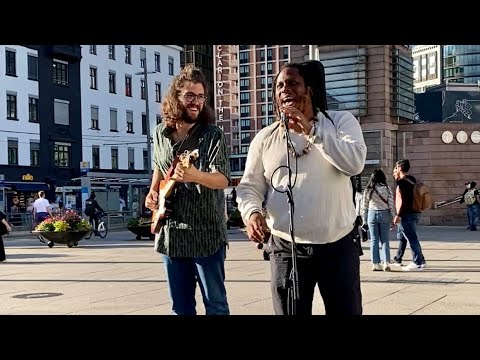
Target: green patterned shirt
(197,226)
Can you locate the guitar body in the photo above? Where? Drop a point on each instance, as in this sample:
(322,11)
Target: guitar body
(164,209)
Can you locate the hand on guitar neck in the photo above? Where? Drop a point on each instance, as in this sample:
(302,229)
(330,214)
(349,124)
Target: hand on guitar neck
(175,174)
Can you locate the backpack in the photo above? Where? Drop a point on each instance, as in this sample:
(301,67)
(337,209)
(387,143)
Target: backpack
(89,208)
(470,197)
(422,196)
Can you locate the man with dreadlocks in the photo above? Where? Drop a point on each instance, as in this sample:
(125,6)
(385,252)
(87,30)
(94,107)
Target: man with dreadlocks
(193,238)
(327,149)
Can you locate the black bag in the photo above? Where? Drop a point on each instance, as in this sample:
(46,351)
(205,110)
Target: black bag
(89,208)
(3,229)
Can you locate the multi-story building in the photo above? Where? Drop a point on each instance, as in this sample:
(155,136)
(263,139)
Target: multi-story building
(114,115)
(244,94)
(40,126)
(427,66)
(76,110)
(202,57)
(461,63)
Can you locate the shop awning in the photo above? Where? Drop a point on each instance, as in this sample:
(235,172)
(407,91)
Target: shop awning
(25,186)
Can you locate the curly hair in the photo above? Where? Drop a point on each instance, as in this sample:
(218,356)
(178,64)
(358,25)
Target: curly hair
(172,109)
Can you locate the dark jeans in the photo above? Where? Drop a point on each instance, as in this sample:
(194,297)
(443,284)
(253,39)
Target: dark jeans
(335,267)
(472,216)
(94,220)
(407,231)
(209,272)
(2,250)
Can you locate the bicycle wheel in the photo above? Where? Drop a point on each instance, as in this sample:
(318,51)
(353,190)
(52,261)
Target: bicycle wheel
(102,229)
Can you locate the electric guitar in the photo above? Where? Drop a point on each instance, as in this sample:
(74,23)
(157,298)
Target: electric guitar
(164,210)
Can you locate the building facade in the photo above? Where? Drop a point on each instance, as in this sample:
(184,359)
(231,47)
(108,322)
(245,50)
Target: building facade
(40,126)
(427,66)
(244,95)
(461,63)
(115,127)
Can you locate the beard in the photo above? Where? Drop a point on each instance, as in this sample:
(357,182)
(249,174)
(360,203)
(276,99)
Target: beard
(187,118)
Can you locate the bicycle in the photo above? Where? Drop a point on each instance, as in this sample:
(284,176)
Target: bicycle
(102,227)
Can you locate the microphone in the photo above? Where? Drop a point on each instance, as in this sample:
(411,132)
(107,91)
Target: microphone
(284,119)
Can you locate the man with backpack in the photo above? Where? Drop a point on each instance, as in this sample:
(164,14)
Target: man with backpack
(470,197)
(407,217)
(90,206)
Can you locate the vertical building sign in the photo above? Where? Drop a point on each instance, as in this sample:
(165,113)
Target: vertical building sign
(219,83)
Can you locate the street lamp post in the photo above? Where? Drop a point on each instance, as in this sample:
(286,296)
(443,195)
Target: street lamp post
(147,116)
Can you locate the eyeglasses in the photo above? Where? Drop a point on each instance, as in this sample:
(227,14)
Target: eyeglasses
(190,97)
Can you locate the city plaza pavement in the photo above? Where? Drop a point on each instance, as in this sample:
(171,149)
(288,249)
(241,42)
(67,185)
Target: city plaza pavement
(121,275)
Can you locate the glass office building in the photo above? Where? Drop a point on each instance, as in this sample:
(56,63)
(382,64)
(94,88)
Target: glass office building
(461,63)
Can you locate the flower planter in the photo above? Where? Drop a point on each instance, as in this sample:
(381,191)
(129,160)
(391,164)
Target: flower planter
(71,238)
(142,231)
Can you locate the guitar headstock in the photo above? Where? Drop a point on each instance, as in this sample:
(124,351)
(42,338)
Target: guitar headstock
(188,157)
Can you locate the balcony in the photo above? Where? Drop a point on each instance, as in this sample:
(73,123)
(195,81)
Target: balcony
(235,142)
(71,53)
(234,129)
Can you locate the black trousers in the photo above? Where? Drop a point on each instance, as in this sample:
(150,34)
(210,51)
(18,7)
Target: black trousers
(2,250)
(334,267)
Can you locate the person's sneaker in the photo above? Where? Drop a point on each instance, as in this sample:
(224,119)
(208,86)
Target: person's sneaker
(423,265)
(395,263)
(412,267)
(377,267)
(386,266)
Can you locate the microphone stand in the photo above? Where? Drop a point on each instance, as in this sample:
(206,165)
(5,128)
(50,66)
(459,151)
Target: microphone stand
(292,283)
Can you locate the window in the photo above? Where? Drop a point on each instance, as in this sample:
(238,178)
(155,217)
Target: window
(95,157)
(12,107)
(34,153)
(270,68)
(12,151)
(262,55)
(285,53)
(61,111)
(269,81)
(157,62)
(270,95)
(33,109)
(94,113)
(244,98)
(112,80)
(145,159)
(262,69)
(131,159)
(142,89)
(111,52)
(245,138)
(158,92)
(10,63)
(244,57)
(245,110)
(32,67)
(159,119)
(128,54)
(93,78)
(270,109)
(170,65)
(143,57)
(128,86)
(269,54)
(114,158)
(244,84)
(61,154)
(244,149)
(93,49)
(113,120)
(60,72)
(144,124)
(245,124)
(129,121)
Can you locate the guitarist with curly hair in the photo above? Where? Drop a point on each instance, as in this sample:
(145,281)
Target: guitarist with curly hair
(191,171)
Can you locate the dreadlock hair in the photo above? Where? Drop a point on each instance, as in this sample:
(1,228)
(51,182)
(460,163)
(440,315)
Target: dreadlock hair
(313,75)
(172,109)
